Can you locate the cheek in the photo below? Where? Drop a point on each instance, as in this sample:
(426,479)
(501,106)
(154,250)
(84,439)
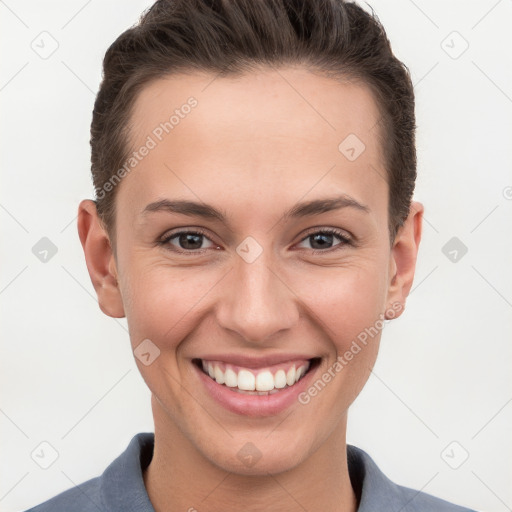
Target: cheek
(346,300)
(163,307)
(348,304)
(161,302)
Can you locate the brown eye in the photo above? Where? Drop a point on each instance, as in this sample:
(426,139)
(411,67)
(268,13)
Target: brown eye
(187,241)
(325,239)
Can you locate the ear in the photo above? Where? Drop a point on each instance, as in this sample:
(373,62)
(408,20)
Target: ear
(100,259)
(403,259)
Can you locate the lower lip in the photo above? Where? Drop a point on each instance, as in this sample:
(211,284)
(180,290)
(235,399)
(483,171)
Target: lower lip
(255,405)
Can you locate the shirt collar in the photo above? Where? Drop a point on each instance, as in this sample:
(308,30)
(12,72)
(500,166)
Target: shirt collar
(122,485)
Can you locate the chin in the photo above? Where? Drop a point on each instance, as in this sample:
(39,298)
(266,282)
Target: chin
(261,455)
(262,464)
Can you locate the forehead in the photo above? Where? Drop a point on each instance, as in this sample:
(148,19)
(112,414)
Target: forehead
(286,128)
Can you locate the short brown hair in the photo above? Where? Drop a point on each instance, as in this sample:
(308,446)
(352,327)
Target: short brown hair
(229,37)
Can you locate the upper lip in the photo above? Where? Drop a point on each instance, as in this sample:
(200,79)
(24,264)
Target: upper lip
(256,362)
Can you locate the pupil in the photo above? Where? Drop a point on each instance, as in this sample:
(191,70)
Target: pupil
(191,241)
(190,238)
(322,239)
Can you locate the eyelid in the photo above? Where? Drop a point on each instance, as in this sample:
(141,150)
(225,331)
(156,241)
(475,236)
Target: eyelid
(344,237)
(324,229)
(178,231)
(164,240)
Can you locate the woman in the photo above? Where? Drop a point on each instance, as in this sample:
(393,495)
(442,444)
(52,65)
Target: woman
(254,165)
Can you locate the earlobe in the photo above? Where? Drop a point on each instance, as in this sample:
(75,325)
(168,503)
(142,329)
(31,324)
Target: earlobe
(99,259)
(403,257)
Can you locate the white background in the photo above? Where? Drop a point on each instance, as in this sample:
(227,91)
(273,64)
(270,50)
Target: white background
(67,374)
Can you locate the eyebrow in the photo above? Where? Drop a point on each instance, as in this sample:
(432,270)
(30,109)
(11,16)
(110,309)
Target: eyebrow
(304,209)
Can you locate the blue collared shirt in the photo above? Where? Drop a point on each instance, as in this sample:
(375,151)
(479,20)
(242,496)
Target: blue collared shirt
(121,487)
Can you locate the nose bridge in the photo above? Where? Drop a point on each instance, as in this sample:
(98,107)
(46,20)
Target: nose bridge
(256,302)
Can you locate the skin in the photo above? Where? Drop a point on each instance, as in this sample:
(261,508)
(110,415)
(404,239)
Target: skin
(252,148)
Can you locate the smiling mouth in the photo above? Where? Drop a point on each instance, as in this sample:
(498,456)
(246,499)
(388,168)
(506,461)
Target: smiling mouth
(261,381)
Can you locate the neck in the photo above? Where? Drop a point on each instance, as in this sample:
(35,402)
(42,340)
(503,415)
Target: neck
(179,477)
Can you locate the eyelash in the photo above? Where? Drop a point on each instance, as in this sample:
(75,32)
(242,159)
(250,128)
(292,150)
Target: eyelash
(344,240)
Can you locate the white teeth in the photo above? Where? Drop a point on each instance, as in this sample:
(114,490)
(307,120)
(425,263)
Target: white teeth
(263,383)
(280,379)
(290,376)
(246,380)
(211,371)
(231,378)
(219,375)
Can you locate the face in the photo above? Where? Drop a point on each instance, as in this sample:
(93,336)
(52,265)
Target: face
(282,263)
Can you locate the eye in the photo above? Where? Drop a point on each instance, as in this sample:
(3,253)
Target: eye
(322,240)
(191,241)
(187,241)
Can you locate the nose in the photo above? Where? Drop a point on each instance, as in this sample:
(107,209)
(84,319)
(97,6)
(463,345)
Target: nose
(256,302)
